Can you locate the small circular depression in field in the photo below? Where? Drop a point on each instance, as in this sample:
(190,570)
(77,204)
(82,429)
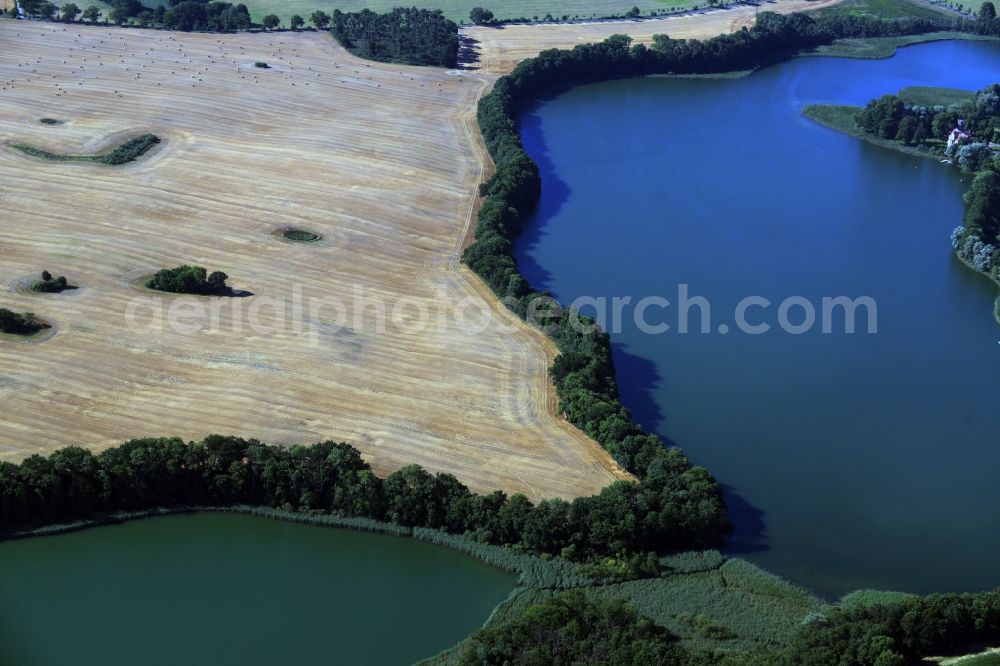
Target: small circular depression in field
(297,235)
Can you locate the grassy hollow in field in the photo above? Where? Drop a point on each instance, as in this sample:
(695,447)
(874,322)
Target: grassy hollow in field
(300,235)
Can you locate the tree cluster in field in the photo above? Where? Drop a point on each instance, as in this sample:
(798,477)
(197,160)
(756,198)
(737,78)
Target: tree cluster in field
(74,484)
(410,36)
(125,152)
(190,280)
(19,323)
(51,285)
(130,150)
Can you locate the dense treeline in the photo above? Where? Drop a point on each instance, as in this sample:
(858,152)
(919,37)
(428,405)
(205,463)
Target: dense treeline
(19,323)
(570,629)
(190,15)
(74,484)
(186,15)
(411,36)
(977,241)
(897,634)
(190,280)
(986,22)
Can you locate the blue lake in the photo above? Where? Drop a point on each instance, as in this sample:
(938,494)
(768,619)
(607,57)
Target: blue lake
(851,460)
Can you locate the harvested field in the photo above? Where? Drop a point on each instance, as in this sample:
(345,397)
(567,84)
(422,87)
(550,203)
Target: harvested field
(380,160)
(500,49)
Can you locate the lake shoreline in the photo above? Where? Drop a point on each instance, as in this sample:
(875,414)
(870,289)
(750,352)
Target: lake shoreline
(558,201)
(840,118)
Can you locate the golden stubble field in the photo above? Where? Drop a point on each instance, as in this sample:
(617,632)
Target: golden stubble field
(500,49)
(382,160)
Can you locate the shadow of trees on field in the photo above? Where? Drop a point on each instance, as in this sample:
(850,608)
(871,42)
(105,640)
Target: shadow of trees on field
(468,53)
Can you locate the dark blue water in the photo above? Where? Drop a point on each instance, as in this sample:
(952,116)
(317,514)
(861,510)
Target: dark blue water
(864,460)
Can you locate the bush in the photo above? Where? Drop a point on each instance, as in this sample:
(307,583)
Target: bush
(14,323)
(190,280)
(51,285)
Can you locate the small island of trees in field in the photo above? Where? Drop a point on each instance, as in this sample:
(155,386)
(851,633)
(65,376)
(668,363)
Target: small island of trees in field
(51,285)
(126,152)
(24,323)
(191,280)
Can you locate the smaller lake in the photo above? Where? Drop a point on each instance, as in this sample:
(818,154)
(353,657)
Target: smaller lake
(216,588)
